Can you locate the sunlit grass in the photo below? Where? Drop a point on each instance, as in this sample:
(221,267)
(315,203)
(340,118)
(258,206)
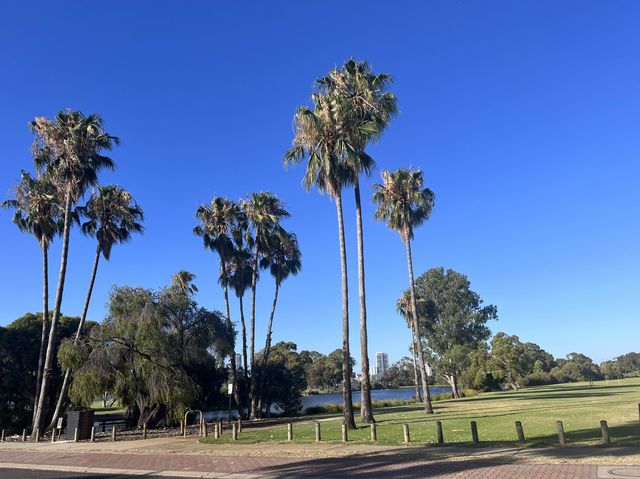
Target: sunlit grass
(579,406)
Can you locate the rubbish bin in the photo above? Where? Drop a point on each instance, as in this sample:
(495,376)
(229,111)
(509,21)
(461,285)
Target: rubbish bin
(83,420)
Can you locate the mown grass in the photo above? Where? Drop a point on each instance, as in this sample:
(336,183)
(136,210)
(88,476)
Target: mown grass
(579,406)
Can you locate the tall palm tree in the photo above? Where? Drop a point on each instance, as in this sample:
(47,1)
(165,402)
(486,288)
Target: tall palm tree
(404,204)
(319,139)
(73,145)
(218,220)
(369,107)
(112,216)
(404,308)
(263,211)
(283,259)
(38,212)
(240,278)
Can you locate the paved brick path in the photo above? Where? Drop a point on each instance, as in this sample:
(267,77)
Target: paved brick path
(391,466)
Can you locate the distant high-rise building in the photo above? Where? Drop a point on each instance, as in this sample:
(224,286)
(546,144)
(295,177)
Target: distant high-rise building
(382,363)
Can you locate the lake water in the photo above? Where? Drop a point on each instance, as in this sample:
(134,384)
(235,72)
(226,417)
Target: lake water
(376,395)
(336,398)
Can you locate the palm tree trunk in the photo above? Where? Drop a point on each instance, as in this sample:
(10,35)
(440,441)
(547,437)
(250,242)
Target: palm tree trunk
(414,347)
(428,408)
(62,397)
(45,324)
(47,370)
(346,354)
(267,345)
(252,339)
(244,336)
(366,407)
(234,376)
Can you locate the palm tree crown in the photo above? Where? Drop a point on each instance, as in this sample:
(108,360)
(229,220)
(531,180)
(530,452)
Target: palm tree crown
(112,215)
(37,208)
(320,137)
(218,220)
(402,201)
(283,258)
(70,147)
(263,212)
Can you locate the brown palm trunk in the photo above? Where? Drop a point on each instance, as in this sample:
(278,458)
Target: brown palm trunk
(62,397)
(346,354)
(244,336)
(252,340)
(234,376)
(267,345)
(47,370)
(45,323)
(415,367)
(366,407)
(428,408)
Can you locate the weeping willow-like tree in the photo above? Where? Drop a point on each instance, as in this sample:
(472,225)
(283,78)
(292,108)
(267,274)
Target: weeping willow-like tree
(112,216)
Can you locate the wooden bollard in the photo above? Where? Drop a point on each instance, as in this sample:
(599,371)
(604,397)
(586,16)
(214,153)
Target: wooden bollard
(144,430)
(562,439)
(239,424)
(345,437)
(2,436)
(205,431)
(405,433)
(374,432)
(182,428)
(604,427)
(24,435)
(439,433)
(289,432)
(318,435)
(474,432)
(114,431)
(37,435)
(234,432)
(216,434)
(75,435)
(53,434)
(93,434)
(220,426)
(519,431)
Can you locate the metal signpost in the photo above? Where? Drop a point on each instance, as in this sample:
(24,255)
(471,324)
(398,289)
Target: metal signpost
(230,393)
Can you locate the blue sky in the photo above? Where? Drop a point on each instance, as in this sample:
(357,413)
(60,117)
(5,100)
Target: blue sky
(523,115)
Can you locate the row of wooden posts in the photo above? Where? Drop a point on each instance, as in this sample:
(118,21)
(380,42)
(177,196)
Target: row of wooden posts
(237,428)
(475,438)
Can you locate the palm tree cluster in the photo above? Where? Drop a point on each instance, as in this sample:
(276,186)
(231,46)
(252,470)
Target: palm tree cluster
(351,107)
(248,237)
(69,153)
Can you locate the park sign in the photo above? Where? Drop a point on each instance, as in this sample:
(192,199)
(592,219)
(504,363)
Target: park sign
(230,389)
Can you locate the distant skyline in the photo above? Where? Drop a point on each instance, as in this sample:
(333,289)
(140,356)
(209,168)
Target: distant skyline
(524,117)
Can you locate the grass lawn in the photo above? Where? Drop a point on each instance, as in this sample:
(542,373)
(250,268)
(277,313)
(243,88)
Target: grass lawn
(577,405)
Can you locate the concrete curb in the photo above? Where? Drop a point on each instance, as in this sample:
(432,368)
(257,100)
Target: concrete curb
(129,472)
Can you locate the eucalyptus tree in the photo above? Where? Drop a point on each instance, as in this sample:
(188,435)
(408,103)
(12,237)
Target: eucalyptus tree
(404,204)
(403,306)
(368,109)
(320,141)
(263,212)
(283,259)
(218,221)
(38,212)
(112,216)
(72,147)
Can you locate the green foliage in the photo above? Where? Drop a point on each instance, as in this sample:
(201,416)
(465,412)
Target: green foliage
(19,347)
(399,374)
(576,367)
(157,352)
(284,377)
(324,372)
